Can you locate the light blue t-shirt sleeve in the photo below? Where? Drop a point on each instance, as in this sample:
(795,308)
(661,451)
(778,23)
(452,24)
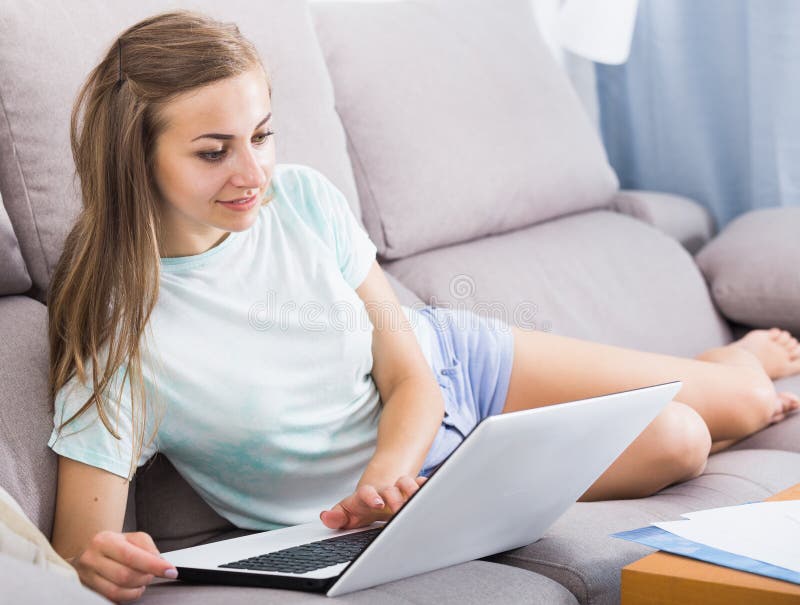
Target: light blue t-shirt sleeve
(87,440)
(333,218)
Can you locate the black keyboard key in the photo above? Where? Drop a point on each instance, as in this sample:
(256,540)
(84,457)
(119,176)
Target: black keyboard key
(308,557)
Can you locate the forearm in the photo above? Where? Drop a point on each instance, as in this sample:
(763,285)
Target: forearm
(410,419)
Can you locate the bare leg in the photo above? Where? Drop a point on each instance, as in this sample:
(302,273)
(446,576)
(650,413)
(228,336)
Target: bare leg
(726,395)
(727,386)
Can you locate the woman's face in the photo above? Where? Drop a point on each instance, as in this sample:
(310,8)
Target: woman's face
(217,147)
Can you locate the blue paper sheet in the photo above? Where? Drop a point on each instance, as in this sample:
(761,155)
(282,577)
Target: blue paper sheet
(656,537)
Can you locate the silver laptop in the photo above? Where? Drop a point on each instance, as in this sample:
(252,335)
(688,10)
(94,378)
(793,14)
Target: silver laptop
(507,482)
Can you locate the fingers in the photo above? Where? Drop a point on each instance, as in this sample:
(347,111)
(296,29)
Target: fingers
(119,548)
(371,504)
(122,576)
(407,485)
(336,518)
(398,494)
(142,540)
(120,566)
(370,497)
(115,593)
(393,497)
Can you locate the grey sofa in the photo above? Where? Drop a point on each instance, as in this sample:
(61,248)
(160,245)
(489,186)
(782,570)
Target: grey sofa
(461,146)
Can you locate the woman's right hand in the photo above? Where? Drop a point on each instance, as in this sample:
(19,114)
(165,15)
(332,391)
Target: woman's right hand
(119,566)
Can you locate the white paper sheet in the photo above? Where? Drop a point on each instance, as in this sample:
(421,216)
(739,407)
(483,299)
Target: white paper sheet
(766,531)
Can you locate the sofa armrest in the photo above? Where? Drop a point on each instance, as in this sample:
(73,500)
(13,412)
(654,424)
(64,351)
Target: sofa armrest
(679,217)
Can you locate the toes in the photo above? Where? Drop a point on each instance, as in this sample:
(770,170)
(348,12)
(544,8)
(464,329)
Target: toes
(789,401)
(774,333)
(793,366)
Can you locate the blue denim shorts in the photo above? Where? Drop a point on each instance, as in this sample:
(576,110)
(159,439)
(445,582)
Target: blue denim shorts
(473,367)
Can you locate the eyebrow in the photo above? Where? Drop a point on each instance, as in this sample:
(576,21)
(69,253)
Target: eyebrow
(227,137)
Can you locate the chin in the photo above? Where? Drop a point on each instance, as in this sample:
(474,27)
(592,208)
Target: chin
(243,224)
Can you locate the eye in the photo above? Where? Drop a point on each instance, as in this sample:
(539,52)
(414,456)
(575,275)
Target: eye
(216,156)
(264,136)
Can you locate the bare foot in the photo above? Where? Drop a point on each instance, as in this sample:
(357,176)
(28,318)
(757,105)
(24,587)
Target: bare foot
(787,403)
(777,350)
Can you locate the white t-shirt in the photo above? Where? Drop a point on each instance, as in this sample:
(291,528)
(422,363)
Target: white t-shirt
(260,352)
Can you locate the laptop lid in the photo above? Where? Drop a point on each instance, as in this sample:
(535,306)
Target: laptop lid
(507,482)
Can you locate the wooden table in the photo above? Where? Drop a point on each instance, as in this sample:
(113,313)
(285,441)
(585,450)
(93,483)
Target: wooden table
(666,579)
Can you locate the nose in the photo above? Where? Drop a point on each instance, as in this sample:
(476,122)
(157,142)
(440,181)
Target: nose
(248,173)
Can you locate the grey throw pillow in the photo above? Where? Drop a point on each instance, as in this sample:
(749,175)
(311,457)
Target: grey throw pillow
(753,269)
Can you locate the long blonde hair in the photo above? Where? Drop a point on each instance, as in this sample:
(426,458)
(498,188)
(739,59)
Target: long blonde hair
(106,282)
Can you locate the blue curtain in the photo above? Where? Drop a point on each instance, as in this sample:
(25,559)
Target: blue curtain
(708,105)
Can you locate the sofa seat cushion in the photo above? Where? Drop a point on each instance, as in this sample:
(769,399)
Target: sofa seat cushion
(460,123)
(578,553)
(475,582)
(48,48)
(596,275)
(752,268)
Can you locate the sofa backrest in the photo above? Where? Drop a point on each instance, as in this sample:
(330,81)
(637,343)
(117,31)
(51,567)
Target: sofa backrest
(460,123)
(27,466)
(14,278)
(444,153)
(596,275)
(48,48)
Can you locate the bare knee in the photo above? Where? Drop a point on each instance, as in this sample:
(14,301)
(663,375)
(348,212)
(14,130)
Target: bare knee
(685,441)
(673,448)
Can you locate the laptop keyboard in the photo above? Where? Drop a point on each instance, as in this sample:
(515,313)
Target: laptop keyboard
(311,556)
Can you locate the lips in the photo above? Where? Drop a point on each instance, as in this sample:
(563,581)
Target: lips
(236,201)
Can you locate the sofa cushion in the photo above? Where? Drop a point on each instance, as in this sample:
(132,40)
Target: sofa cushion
(48,48)
(26,584)
(472,583)
(596,275)
(579,553)
(459,121)
(22,540)
(14,278)
(751,268)
(677,216)
(28,469)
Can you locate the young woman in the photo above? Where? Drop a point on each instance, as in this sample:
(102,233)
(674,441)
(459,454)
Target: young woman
(229,313)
